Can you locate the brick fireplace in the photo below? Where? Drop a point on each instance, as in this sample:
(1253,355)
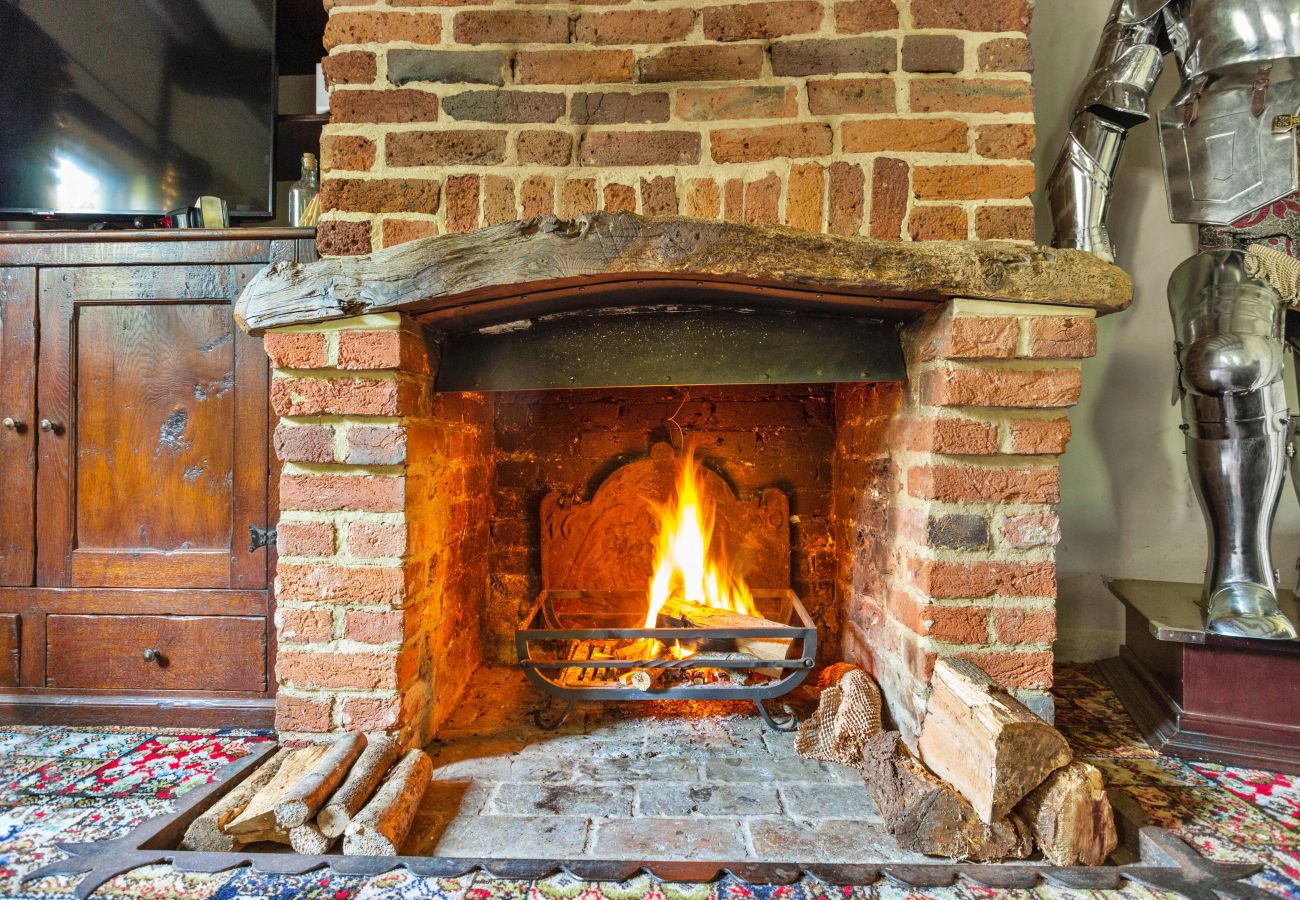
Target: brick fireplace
(923,508)
(923,514)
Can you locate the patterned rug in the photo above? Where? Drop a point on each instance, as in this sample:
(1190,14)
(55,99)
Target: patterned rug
(90,784)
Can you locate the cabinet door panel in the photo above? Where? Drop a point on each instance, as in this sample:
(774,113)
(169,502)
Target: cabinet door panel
(10,649)
(157,465)
(18,444)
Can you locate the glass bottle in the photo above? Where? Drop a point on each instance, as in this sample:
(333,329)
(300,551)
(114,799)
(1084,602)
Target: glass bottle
(304,208)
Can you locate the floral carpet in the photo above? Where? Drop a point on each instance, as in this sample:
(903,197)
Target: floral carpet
(90,784)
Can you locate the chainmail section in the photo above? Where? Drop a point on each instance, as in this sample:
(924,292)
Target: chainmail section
(847,715)
(1277,268)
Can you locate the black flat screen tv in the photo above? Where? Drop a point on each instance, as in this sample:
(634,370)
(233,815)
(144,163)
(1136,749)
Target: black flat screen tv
(113,109)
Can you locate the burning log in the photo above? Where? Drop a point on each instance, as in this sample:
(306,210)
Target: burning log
(927,815)
(984,742)
(207,832)
(302,800)
(367,772)
(718,675)
(677,612)
(1071,816)
(382,824)
(256,822)
(642,679)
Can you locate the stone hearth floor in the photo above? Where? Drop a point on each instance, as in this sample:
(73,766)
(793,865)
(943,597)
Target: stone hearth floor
(646,780)
(92,784)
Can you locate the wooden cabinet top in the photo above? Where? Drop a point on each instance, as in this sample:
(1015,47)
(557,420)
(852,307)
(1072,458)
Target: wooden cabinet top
(133,247)
(145,235)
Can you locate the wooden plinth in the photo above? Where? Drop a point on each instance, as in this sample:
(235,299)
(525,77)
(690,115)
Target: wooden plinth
(1203,696)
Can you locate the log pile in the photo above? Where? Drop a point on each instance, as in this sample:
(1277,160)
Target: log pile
(993,781)
(309,798)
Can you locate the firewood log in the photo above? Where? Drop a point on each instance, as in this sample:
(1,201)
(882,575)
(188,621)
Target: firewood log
(678,612)
(207,831)
(381,826)
(257,820)
(301,801)
(367,772)
(927,815)
(984,742)
(307,839)
(1070,816)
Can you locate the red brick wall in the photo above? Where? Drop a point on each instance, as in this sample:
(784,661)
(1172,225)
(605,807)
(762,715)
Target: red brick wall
(383,536)
(951,539)
(568,441)
(890,118)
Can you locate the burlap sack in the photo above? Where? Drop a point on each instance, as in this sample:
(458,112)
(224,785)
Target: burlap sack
(847,715)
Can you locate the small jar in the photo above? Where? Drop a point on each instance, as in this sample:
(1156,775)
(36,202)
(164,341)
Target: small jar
(304,196)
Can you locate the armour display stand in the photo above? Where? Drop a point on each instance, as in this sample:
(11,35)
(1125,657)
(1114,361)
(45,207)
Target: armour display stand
(1203,696)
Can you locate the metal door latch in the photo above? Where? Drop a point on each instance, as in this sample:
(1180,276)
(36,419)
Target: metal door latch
(260,537)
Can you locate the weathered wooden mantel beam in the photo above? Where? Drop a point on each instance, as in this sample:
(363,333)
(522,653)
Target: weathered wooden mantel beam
(586,261)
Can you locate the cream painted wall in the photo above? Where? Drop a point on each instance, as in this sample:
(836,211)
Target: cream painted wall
(1127,508)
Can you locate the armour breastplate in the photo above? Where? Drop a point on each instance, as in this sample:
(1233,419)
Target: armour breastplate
(1208,36)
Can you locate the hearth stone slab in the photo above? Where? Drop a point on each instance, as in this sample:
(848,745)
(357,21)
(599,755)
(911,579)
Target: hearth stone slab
(497,837)
(754,768)
(829,801)
(447,799)
(640,768)
(563,799)
(836,840)
(665,798)
(687,839)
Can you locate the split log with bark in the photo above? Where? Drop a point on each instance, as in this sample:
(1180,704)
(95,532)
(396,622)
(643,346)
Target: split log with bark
(984,742)
(301,801)
(1071,816)
(366,774)
(208,832)
(927,815)
(256,822)
(382,824)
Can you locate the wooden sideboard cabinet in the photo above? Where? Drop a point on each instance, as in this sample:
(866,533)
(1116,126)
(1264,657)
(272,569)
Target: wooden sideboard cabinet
(138,489)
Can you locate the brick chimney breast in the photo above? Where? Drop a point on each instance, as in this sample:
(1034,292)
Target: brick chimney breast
(867,117)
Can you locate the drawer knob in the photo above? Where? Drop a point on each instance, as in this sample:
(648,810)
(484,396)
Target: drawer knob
(48,425)
(12,424)
(151,654)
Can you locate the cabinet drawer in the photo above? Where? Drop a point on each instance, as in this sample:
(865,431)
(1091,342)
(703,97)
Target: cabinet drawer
(194,653)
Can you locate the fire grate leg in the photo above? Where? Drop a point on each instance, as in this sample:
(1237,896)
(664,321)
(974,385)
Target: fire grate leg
(546,716)
(786,720)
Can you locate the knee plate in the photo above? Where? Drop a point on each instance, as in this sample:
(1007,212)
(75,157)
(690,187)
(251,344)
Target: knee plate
(1228,331)
(1219,364)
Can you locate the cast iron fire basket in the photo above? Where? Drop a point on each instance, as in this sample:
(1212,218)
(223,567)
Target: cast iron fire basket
(555,640)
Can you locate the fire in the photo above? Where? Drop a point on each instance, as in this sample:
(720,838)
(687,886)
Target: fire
(687,564)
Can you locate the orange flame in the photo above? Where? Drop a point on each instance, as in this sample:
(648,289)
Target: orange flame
(687,564)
